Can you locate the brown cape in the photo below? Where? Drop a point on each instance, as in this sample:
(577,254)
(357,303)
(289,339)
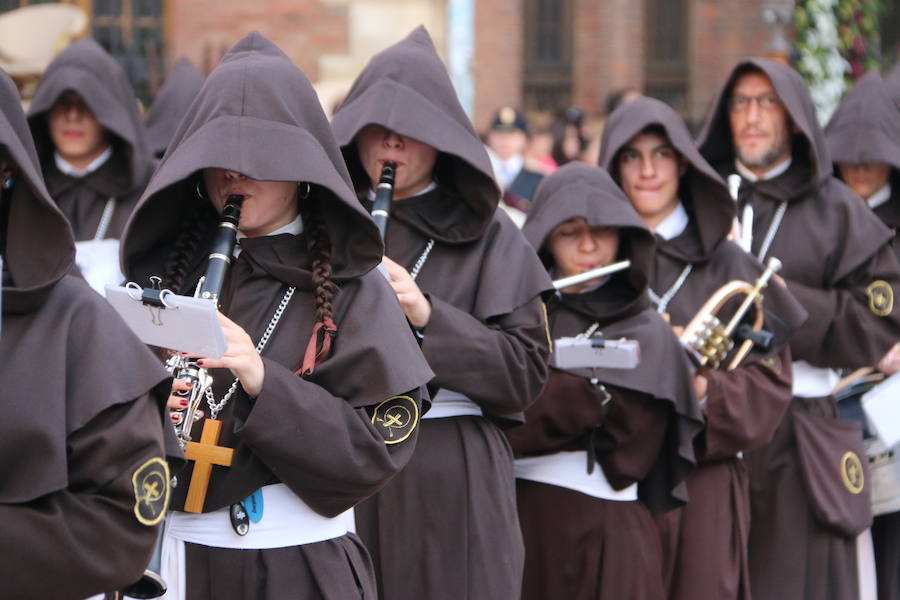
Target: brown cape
(170,105)
(257,114)
(836,257)
(705,543)
(93,74)
(644,435)
(84,405)
(486,339)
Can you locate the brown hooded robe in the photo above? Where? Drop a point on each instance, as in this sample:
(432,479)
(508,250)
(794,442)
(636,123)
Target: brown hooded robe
(579,546)
(83,428)
(866,128)
(258,115)
(839,265)
(88,70)
(486,339)
(706,541)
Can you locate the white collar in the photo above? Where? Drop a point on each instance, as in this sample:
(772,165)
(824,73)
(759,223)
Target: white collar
(295,227)
(880,197)
(674,224)
(371,193)
(771,174)
(71,170)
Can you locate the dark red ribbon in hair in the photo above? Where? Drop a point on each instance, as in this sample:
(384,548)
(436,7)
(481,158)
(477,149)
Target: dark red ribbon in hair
(312,358)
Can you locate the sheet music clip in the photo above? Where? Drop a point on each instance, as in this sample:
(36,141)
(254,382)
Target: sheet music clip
(180,323)
(595,352)
(154,298)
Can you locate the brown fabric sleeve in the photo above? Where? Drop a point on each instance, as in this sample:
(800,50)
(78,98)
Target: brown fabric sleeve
(86,539)
(326,451)
(501,365)
(632,436)
(843,331)
(745,406)
(567,409)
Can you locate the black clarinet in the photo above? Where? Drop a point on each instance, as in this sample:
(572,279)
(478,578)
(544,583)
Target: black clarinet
(384,193)
(222,249)
(151,585)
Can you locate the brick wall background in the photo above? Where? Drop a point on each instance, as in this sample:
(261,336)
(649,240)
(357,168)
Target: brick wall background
(331,40)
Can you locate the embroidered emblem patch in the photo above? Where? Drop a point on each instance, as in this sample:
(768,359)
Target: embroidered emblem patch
(881,298)
(396,418)
(773,363)
(151,491)
(852,473)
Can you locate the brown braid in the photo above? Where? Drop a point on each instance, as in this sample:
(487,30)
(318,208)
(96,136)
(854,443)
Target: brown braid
(193,228)
(318,243)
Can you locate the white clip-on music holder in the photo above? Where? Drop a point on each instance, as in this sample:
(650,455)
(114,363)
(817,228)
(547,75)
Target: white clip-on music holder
(590,352)
(160,317)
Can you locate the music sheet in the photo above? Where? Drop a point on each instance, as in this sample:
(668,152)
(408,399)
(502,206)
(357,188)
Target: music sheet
(187,325)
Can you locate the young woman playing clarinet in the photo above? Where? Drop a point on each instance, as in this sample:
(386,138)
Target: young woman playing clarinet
(318,395)
(446,527)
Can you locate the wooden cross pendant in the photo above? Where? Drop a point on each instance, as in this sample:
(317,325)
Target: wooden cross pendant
(205,454)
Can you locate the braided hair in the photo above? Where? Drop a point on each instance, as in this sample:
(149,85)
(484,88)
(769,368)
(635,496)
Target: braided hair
(318,243)
(193,229)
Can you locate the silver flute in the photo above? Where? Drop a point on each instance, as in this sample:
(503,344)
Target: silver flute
(566,282)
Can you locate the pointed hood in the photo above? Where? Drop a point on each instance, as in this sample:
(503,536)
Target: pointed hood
(715,141)
(701,189)
(39,249)
(88,70)
(580,190)
(258,115)
(893,84)
(866,126)
(406,88)
(170,105)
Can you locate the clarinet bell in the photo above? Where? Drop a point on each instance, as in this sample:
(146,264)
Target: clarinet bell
(150,585)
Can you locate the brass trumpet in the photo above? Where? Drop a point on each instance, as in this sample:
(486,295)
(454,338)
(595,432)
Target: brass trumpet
(711,341)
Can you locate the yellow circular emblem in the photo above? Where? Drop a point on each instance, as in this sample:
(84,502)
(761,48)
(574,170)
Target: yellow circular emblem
(507,115)
(852,473)
(396,418)
(151,491)
(881,298)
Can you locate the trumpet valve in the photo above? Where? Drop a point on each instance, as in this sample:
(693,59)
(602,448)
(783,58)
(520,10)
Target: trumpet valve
(710,342)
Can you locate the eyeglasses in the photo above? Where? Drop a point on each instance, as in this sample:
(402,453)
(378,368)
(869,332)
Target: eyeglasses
(764,101)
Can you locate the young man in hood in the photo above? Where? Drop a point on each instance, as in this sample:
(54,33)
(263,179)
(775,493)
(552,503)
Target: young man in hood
(809,499)
(91,144)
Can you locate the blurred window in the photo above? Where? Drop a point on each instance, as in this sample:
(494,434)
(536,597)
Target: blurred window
(666,76)
(547,81)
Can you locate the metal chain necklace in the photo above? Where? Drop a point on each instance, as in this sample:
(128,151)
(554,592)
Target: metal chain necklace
(773,229)
(421,261)
(662,303)
(216,407)
(108,209)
